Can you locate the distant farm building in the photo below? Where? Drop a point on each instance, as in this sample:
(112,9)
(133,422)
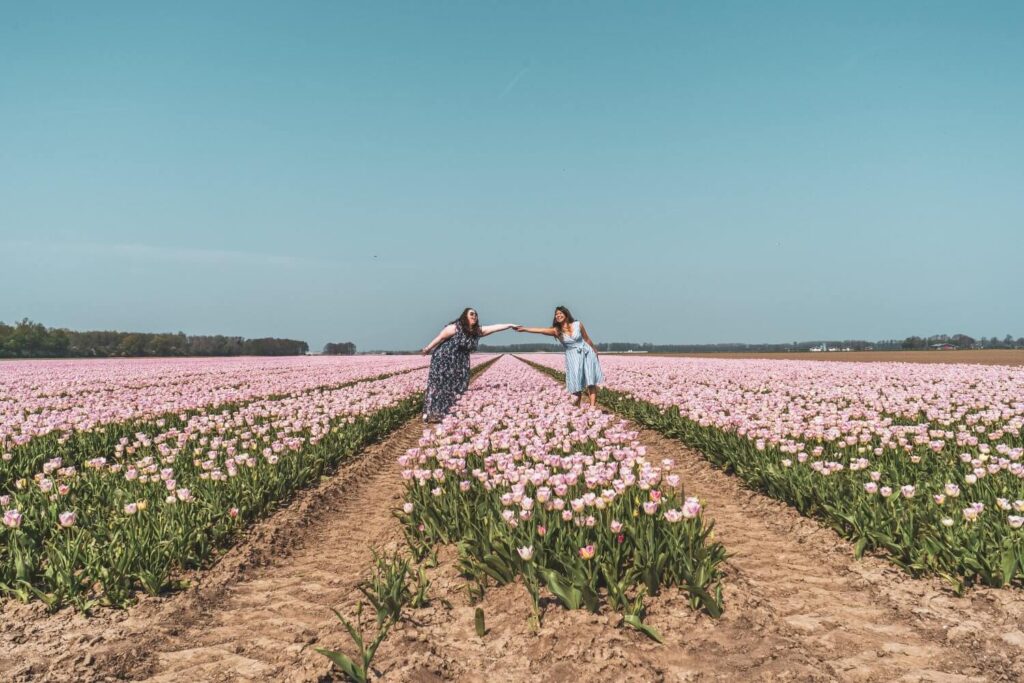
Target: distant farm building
(943,347)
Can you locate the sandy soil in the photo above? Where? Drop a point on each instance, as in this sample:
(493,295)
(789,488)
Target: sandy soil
(981,357)
(798,607)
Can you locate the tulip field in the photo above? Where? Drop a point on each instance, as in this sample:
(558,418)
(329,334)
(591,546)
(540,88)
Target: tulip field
(120,478)
(117,475)
(919,462)
(530,486)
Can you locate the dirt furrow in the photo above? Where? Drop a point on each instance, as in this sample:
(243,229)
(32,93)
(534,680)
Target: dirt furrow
(263,627)
(864,620)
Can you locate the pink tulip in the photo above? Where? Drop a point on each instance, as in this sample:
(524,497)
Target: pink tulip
(12,519)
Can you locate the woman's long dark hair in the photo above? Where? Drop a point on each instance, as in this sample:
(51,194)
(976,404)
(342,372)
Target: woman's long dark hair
(463,322)
(569,320)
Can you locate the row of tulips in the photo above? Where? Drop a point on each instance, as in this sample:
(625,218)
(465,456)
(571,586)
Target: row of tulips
(919,462)
(97,530)
(98,437)
(529,486)
(60,397)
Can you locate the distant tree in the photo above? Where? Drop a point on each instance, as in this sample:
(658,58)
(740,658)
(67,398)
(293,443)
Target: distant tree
(962,340)
(270,346)
(339,349)
(914,343)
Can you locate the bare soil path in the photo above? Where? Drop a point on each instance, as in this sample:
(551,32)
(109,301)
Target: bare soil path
(263,627)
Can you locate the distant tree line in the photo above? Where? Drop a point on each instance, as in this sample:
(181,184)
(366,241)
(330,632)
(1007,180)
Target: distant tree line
(962,341)
(339,349)
(27,339)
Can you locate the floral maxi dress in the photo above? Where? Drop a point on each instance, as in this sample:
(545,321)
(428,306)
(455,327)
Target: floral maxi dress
(449,373)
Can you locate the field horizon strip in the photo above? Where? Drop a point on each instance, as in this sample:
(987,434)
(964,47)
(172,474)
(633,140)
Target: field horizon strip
(111,514)
(920,463)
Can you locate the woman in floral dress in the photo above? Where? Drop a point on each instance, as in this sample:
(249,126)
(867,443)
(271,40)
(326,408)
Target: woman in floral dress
(449,362)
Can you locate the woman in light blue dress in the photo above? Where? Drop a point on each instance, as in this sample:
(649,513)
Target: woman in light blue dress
(582,368)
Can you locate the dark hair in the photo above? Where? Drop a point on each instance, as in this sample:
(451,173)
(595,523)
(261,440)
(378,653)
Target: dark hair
(569,320)
(463,322)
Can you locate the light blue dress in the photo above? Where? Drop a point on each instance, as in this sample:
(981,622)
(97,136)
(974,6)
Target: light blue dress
(582,368)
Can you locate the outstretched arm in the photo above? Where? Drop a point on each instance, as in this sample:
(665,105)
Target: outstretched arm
(586,338)
(447,332)
(550,331)
(491,329)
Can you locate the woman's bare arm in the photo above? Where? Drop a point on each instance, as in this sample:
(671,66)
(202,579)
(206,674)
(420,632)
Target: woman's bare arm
(491,329)
(586,338)
(550,331)
(448,331)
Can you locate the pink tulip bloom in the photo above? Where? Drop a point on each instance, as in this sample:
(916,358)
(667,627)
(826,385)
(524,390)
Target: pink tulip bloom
(67,519)
(12,519)
(587,552)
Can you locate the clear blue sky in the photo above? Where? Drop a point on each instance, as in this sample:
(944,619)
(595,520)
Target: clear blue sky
(673,172)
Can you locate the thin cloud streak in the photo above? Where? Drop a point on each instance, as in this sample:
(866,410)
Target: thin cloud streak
(515,80)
